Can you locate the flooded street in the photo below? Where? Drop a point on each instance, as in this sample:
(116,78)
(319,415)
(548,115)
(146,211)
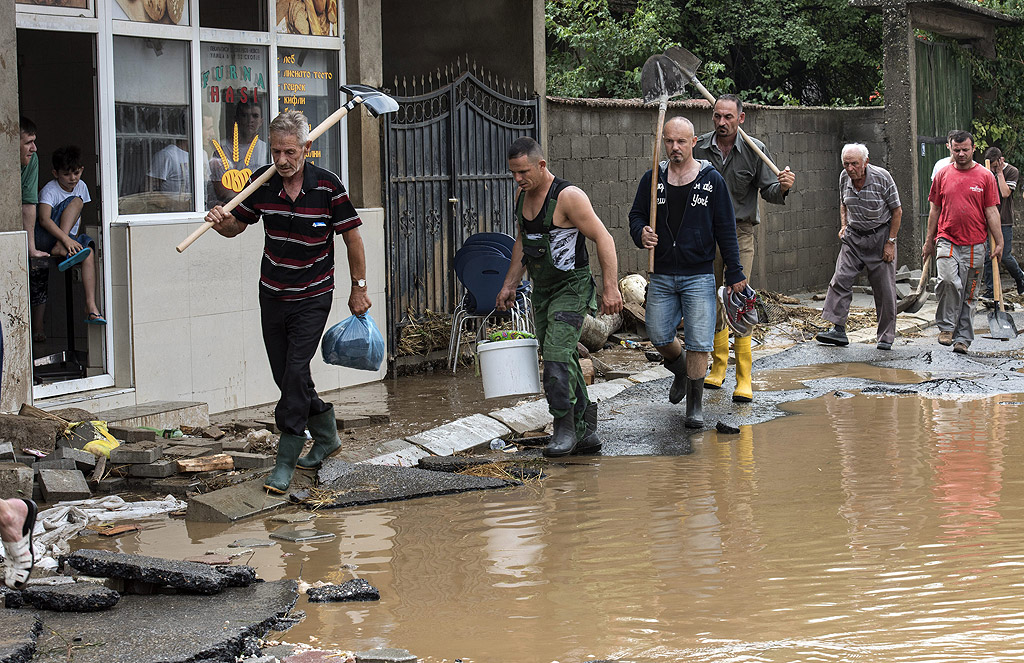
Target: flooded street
(864,527)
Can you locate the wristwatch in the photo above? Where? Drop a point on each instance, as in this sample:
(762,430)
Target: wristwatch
(891,240)
(361,283)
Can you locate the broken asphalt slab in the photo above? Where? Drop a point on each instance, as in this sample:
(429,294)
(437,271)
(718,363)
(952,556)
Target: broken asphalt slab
(186,576)
(73,597)
(180,628)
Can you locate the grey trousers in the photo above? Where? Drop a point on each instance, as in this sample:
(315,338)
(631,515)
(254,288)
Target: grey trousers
(860,252)
(959,269)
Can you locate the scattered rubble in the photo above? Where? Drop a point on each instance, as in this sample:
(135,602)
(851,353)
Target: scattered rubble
(73,597)
(352,590)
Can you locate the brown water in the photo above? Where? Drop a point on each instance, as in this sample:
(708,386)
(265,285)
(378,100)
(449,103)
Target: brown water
(869,528)
(794,377)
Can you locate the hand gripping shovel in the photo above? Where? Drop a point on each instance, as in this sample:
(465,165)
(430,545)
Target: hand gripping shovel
(660,79)
(1000,323)
(913,302)
(689,64)
(375,101)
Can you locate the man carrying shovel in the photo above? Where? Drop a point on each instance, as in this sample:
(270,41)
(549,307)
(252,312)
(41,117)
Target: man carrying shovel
(302,207)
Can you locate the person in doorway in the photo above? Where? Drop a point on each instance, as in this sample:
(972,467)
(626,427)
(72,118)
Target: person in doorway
(17,521)
(694,215)
(746,175)
(1006,180)
(296,284)
(869,220)
(60,219)
(170,170)
(554,221)
(38,261)
(963,211)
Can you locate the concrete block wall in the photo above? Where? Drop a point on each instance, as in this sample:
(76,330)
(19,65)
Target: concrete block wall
(605,146)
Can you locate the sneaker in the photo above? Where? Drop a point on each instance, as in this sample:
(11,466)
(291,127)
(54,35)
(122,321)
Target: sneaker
(946,338)
(882,345)
(960,348)
(834,336)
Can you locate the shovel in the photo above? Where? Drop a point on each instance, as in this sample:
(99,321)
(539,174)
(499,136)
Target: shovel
(660,79)
(913,302)
(1000,323)
(689,64)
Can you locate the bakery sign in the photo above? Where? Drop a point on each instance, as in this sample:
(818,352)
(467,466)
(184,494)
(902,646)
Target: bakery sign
(233,82)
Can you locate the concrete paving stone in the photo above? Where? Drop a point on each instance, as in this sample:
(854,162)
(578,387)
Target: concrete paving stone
(54,464)
(236,444)
(169,628)
(372,484)
(180,487)
(385,655)
(28,432)
(187,576)
(137,453)
(602,390)
(60,485)
(242,500)
(83,460)
(160,469)
(7,451)
(651,374)
(350,590)
(393,452)
(293,517)
(461,434)
(269,424)
(111,485)
(159,414)
(246,426)
(302,535)
(15,480)
(131,434)
(350,422)
(252,543)
(179,451)
(19,631)
(75,597)
(215,446)
(524,417)
(244,461)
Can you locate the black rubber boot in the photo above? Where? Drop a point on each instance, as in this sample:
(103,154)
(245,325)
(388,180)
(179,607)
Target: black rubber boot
(563,437)
(590,443)
(678,389)
(694,405)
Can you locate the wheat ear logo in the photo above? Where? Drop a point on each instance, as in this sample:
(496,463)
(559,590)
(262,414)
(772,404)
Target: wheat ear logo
(234,179)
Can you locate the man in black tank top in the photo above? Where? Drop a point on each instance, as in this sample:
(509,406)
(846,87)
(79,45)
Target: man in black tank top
(554,218)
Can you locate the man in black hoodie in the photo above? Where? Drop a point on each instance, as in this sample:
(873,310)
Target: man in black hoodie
(694,214)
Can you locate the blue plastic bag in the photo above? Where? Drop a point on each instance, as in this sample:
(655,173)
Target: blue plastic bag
(355,342)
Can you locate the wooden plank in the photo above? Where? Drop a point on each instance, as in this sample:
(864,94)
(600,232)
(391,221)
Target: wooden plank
(206,463)
(118,530)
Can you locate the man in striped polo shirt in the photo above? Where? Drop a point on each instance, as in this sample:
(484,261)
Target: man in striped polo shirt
(869,220)
(302,207)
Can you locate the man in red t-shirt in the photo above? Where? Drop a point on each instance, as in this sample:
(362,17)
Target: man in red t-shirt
(963,212)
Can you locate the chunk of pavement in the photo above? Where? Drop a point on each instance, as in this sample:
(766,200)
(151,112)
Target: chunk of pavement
(15,480)
(210,560)
(461,434)
(54,464)
(111,485)
(159,469)
(130,434)
(59,485)
(187,576)
(293,517)
(373,484)
(301,535)
(351,590)
(239,575)
(7,451)
(137,452)
(454,463)
(179,451)
(524,417)
(19,631)
(252,543)
(726,429)
(215,446)
(76,597)
(83,460)
(385,655)
(246,461)
(240,444)
(9,598)
(29,432)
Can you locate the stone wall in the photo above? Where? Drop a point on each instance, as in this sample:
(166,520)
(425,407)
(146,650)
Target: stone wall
(605,146)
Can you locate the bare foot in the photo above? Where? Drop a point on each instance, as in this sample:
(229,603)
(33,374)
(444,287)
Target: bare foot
(13,513)
(38,254)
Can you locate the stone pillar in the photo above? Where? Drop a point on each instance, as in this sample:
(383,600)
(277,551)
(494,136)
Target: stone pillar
(363,57)
(540,80)
(10,164)
(901,125)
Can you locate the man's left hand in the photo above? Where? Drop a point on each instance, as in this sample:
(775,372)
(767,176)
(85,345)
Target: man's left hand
(739,287)
(889,252)
(359,301)
(786,179)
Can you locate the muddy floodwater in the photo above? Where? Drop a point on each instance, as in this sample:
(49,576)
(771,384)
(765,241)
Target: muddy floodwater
(861,528)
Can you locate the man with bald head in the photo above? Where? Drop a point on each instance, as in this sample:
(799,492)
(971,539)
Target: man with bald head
(869,220)
(694,215)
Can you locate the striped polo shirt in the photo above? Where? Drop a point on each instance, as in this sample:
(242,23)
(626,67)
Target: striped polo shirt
(298,253)
(872,206)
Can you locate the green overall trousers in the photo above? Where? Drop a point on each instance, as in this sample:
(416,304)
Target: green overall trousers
(561,300)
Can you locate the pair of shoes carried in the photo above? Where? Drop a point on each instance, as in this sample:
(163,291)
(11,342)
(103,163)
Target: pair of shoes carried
(946,338)
(95,319)
(74,259)
(18,557)
(960,348)
(834,336)
(882,345)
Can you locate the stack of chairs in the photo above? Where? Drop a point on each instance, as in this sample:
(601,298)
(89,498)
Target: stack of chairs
(481,265)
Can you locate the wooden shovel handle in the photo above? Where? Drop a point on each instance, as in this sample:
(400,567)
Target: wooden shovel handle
(652,220)
(749,141)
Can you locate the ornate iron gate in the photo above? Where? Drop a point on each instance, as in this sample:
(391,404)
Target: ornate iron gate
(445,178)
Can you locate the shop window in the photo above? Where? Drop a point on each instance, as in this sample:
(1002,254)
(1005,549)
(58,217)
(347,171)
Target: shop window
(62,7)
(307,81)
(153,125)
(167,12)
(235,14)
(233,84)
(308,17)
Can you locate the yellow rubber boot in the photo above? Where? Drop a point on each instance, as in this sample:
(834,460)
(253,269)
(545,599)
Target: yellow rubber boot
(744,392)
(719,360)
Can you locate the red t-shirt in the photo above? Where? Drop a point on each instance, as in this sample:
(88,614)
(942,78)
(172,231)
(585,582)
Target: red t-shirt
(963,196)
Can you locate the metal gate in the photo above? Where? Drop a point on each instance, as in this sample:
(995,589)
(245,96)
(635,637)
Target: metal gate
(445,178)
(943,104)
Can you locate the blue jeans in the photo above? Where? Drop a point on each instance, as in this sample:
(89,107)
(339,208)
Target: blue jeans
(45,241)
(691,299)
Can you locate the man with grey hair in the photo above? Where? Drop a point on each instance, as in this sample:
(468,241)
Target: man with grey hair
(302,206)
(869,220)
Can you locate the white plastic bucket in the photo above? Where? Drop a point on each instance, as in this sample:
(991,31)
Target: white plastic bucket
(509,367)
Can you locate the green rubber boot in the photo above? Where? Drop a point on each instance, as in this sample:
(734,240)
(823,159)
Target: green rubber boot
(324,429)
(288,449)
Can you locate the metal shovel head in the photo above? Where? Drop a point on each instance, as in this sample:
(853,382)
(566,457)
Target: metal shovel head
(685,60)
(914,302)
(1001,325)
(375,101)
(661,79)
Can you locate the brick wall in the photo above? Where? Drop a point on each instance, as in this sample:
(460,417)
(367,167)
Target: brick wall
(605,146)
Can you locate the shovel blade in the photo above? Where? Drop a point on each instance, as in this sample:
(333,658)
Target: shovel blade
(661,79)
(912,303)
(1001,325)
(685,60)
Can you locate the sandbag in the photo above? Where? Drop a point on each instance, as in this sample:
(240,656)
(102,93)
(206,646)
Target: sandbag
(596,330)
